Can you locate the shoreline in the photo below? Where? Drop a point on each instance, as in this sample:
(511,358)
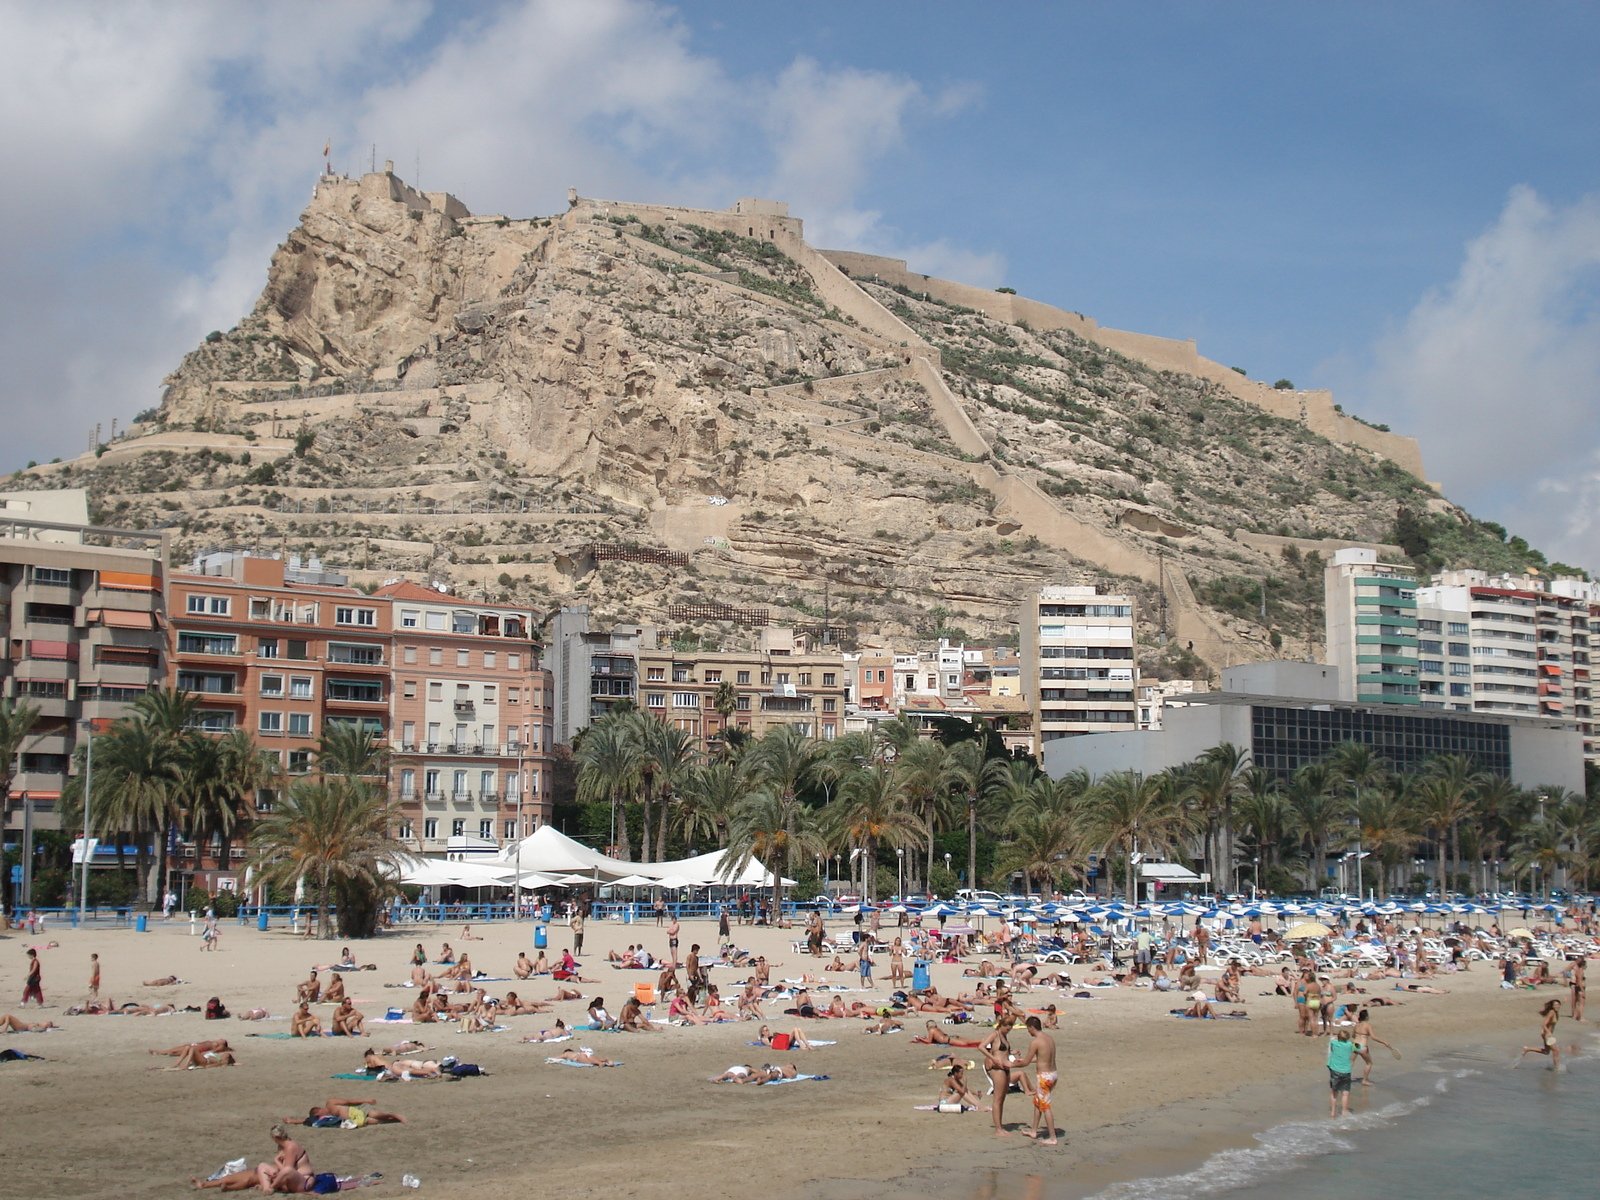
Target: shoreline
(1141,1092)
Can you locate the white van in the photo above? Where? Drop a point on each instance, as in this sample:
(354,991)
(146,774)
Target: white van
(968,896)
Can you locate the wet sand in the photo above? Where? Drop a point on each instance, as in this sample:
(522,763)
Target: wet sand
(1139,1088)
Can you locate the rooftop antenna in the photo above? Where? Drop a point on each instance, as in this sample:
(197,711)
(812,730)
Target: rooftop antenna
(374,158)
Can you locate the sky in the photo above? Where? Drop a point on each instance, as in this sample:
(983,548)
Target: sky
(1398,202)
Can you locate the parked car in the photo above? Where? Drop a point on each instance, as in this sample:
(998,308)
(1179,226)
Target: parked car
(969,896)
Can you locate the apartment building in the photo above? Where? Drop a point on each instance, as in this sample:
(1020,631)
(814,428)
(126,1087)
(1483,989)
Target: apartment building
(472,720)
(1079,671)
(1371,624)
(780,682)
(281,651)
(592,669)
(873,679)
(1507,644)
(83,610)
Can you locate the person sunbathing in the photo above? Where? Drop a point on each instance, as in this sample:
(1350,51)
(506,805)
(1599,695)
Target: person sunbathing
(358,1113)
(713,1009)
(681,1010)
(194,1059)
(559,1033)
(304,1023)
(334,993)
(1424,988)
(413,1068)
(935,1003)
(750,1002)
(164,981)
(310,991)
(793,1040)
(129,1009)
(838,964)
(468,936)
(461,971)
(236,1181)
(515,1006)
(936,1036)
(566,993)
(215,1045)
(1200,1007)
(885,1025)
(422,1009)
(583,1054)
(627,958)
(984,970)
(745,1073)
(667,981)
(348,1020)
(14,1024)
(632,1018)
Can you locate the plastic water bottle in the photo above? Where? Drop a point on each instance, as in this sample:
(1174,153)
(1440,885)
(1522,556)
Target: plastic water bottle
(410,1181)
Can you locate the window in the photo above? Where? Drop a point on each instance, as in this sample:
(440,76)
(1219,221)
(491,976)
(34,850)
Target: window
(463,658)
(459,781)
(513,695)
(713,676)
(271,722)
(883,676)
(685,700)
(430,781)
(434,621)
(435,656)
(742,677)
(189,681)
(783,677)
(743,704)
(1457,629)
(404,833)
(51,575)
(829,679)
(513,785)
(367,617)
(435,690)
(830,705)
(408,654)
(1460,689)
(463,623)
(408,784)
(408,733)
(433,733)
(360,655)
(299,724)
(805,679)
(488,732)
(409,618)
(430,828)
(300,687)
(299,762)
(299,648)
(1460,668)
(513,662)
(490,692)
(272,685)
(207,643)
(366,691)
(408,689)
(511,830)
(267,647)
(655,674)
(212,606)
(1429,646)
(486,827)
(655,699)
(1459,649)
(458,827)
(488,660)
(486,783)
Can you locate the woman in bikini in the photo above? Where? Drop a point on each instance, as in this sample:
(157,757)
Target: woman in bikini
(897,964)
(997,1065)
(1364,1038)
(955,1089)
(1549,1014)
(938,1037)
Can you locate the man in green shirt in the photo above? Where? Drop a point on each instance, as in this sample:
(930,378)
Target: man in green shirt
(1341,1056)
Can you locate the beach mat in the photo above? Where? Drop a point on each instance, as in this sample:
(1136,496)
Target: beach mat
(796,1079)
(811,1041)
(567,1062)
(289,1037)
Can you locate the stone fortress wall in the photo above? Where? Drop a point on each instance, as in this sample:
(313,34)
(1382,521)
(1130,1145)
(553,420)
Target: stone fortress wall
(1312,408)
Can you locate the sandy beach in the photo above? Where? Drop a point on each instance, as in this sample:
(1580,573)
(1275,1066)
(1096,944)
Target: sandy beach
(1139,1088)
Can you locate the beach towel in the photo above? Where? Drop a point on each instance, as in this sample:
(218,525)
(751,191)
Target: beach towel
(565,1037)
(390,1020)
(289,1037)
(568,1062)
(796,1079)
(966,1108)
(491,1029)
(1183,1016)
(811,1041)
(364,1075)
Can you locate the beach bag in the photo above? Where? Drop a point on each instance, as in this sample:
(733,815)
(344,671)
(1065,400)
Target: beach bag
(324,1182)
(465,1070)
(780,1041)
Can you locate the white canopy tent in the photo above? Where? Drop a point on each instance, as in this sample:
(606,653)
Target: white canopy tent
(551,852)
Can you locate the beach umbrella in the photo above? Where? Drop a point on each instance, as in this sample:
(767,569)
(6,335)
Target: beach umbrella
(633,881)
(896,908)
(940,909)
(1306,929)
(1025,917)
(1522,932)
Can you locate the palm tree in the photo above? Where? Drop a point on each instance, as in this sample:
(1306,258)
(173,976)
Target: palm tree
(669,753)
(248,770)
(708,798)
(1130,810)
(1452,782)
(1315,811)
(872,812)
(351,751)
(1214,783)
(725,702)
(334,831)
(774,831)
(929,780)
(1005,785)
(786,760)
(896,736)
(17,719)
(1043,845)
(1498,800)
(1358,768)
(1541,846)
(1388,826)
(1262,811)
(137,780)
(610,768)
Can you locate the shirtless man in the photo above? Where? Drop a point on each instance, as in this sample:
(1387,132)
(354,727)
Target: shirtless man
(358,1112)
(750,1002)
(672,946)
(334,993)
(310,991)
(216,1046)
(304,1023)
(1576,979)
(1041,1053)
(348,1020)
(523,968)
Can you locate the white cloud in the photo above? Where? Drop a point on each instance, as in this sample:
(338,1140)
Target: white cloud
(1498,373)
(161,151)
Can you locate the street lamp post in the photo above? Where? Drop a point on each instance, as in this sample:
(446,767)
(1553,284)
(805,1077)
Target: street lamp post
(900,872)
(1257,886)
(1360,882)
(88,792)
(947,862)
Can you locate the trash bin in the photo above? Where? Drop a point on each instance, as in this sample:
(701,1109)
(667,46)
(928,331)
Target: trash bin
(261,920)
(541,937)
(627,915)
(141,923)
(919,976)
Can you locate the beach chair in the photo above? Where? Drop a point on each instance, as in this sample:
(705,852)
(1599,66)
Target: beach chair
(644,993)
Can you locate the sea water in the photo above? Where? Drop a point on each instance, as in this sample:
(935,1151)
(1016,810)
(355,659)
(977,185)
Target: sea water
(1463,1126)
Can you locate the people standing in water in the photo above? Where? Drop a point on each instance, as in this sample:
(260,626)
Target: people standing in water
(1363,1043)
(1341,1056)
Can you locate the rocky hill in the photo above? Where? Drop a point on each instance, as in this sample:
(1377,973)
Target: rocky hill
(514,405)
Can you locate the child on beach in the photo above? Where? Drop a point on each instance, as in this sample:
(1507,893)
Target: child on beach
(1341,1061)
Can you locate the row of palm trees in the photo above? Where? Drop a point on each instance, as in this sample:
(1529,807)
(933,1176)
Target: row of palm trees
(785,800)
(159,777)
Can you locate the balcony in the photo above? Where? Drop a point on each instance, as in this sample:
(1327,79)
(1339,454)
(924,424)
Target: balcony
(464,708)
(461,799)
(434,799)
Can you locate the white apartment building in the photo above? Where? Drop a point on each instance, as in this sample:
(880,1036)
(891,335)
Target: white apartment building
(1078,664)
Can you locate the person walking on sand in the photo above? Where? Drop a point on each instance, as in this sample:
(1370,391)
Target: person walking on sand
(33,988)
(1042,1055)
(1550,1014)
(576,925)
(1341,1060)
(1576,978)
(94,975)
(1363,1042)
(863,962)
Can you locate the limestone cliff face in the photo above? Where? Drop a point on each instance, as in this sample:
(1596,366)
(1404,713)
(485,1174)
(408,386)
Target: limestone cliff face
(479,398)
